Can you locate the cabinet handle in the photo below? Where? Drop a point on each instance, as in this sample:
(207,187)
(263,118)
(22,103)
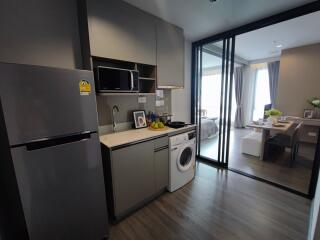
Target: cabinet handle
(161,148)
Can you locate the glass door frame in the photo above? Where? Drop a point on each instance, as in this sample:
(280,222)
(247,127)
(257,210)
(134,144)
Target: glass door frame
(228,49)
(277,18)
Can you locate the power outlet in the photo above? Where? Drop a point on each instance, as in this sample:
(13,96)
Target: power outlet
(312,134)
(142,99)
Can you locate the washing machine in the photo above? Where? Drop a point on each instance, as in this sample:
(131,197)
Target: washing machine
(182,159)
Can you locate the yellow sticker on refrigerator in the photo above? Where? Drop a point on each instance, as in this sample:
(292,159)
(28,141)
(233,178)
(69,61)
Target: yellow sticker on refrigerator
(85,87)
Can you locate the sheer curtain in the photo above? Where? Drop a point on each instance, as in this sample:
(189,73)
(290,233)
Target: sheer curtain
(273,70)
(238,80)
(210,94)
(261,93)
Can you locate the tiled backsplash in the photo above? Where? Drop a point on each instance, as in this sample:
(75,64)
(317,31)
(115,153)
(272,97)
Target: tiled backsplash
(126,105)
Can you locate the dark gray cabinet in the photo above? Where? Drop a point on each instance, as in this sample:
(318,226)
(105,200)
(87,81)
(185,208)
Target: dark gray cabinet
(120,31)
(138,173)
(132,175)
(161,163)
(170,55)
(117,30)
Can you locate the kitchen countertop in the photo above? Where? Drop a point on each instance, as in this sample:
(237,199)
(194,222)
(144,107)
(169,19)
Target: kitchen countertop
(135,135)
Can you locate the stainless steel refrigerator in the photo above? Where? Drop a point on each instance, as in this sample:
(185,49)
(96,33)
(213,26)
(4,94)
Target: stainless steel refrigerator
(52,183)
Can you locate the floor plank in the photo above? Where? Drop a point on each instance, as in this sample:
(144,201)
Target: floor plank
(219,204)
(275,169)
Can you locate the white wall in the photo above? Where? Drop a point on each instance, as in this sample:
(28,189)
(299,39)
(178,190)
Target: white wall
(299,69)
(181,98)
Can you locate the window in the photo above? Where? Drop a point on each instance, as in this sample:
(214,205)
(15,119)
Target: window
(211,92)
(262,93)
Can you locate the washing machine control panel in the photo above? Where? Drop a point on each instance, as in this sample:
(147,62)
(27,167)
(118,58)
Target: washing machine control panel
(182,138)
(192,135)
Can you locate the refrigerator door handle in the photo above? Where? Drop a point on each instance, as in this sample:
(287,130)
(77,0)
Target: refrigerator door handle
(50,142)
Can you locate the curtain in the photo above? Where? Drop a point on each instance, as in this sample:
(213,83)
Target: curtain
(238,79)
(273,70)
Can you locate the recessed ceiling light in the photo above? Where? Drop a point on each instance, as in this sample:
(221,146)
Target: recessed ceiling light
(277,44)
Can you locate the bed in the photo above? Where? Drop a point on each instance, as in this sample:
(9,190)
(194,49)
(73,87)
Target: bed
(209,128)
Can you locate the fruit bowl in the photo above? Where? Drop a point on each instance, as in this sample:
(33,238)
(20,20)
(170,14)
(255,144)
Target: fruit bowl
(158,129)
(157,126)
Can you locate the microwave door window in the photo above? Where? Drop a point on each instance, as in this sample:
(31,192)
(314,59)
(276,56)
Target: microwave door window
(109,79)
(115,79)
(125,83)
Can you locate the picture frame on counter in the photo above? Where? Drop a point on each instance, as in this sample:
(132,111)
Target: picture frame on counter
(139,118)
(308,113)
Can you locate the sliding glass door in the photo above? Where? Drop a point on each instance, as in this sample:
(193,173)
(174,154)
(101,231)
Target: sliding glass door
(212,82)
(253,92)
(275,72)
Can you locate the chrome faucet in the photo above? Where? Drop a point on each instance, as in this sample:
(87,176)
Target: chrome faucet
(115,109)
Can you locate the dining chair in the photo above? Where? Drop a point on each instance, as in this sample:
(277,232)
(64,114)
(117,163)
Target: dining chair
(266,108)
(287,141)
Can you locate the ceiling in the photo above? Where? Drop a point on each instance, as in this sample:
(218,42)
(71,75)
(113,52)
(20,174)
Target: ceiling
(268,42)
(210,60)
(200,18)
(262,43)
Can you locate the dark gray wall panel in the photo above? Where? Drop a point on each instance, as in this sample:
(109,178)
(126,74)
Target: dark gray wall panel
(40,32)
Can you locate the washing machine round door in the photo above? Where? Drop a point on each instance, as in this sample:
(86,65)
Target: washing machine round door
(185,158)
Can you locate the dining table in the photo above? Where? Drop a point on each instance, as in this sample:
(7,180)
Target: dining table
(266,127)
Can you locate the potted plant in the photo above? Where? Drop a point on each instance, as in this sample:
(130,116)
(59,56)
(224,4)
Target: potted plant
(273,115)
(315,102)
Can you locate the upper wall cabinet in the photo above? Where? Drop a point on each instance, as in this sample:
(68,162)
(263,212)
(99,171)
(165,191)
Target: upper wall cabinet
(170,55)
(120,31)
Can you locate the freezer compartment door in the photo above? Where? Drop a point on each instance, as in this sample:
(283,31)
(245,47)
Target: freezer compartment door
(62,190)
(40,102)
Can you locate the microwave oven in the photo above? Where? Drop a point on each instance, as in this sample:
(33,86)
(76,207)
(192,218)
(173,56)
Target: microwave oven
(109,79)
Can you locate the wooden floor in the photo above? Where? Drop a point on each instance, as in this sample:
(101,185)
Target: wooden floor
(276,169)
(219,204)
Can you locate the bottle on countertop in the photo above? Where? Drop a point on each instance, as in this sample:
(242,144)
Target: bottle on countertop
(151,117)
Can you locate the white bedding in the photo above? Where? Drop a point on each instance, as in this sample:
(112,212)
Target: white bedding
(209,128)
